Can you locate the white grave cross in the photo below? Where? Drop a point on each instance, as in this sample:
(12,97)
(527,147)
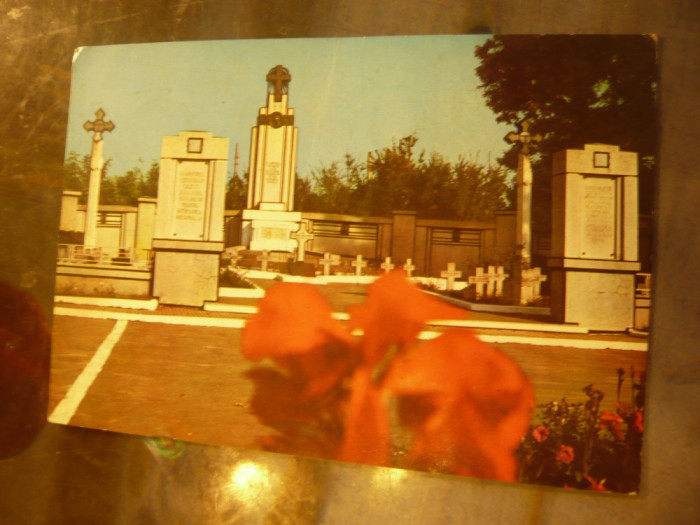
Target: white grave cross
(328,261)
(480,280)
(450,274)
(499,278)
(533,279)
(264,257)
(301,236)
(409,267)
(358,263)
(386,265)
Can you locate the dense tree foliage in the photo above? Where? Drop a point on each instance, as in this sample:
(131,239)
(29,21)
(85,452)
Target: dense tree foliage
(124,189)
(398,178)
(575,91)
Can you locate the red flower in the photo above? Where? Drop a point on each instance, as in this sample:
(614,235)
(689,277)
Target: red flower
(611,421)
(540,433)
(394,313)
(469,404)
(565,454)
(478,405)
(595,485)
(639,421)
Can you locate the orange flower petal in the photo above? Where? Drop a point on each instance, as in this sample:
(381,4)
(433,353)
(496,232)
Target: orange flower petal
(482,405)
(366,438)
(394,313)
(293,318)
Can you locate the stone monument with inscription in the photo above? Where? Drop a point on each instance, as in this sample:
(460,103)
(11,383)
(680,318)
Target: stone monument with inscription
(269,218)
(189,229)
(594,254)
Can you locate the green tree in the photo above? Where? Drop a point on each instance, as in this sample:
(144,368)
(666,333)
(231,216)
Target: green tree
(237,192)
(575,91)
(398,178)
(149,184)
(76,172)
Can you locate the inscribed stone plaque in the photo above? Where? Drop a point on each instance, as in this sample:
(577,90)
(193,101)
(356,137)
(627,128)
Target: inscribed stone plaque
(599,209)
(271,186)
(190,200)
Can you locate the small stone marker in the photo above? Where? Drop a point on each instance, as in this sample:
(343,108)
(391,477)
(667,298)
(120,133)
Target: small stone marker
(329,260)
(499,278)
(359,264)
(386,265)
(531,282)
(409,267)
(302,236)
(480,280)
(450,274)
(264,257)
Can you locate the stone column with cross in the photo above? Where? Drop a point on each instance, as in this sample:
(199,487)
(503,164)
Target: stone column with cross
(450,275)
(524,139)
(302,235)
(523,228)
(97,126)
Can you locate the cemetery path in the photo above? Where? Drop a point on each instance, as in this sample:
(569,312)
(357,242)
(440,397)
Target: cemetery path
(187,382)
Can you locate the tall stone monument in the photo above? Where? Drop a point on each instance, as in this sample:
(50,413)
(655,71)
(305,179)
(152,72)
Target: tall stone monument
(189,229)
(594,254)
(269,220)
(97,126)
(523,229)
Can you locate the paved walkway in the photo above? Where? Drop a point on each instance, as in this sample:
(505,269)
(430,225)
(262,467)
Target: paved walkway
(178,371)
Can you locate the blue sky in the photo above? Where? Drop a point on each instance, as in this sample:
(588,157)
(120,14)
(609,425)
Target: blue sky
(351,95)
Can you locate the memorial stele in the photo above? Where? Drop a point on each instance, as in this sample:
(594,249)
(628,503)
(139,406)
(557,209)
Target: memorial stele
(189,227)
(594,254)
(269,218)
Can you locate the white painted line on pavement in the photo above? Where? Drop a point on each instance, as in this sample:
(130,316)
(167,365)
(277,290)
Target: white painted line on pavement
(146,318)
(139,304)
(592,344)
(250,293)
(511,325)
(230,308)
(65,410)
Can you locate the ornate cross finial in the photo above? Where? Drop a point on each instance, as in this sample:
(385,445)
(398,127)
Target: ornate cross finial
(279,76)
(523,136)
(99,125)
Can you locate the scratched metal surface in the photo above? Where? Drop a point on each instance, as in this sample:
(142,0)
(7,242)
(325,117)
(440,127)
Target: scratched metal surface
(71,475)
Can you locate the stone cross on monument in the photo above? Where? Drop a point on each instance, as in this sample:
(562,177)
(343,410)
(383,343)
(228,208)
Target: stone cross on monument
(279,78)
(524,139)
(98,126)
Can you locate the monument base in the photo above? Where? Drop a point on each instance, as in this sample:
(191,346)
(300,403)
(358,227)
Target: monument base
(598,295)
(270,230)
(197,260)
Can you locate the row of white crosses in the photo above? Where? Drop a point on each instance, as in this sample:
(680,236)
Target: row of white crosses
(489,284)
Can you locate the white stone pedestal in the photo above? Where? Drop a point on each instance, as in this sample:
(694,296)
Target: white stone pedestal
(189,222)
(270,230)
(186,272)
(594,254)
